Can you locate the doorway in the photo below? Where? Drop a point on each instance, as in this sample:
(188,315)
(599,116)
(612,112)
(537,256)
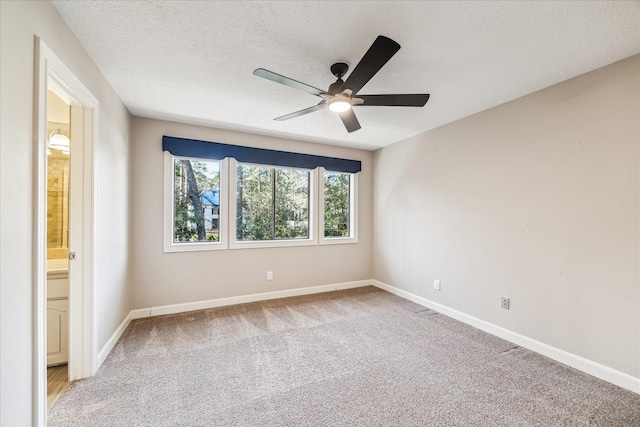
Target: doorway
(59,223)
(63,226)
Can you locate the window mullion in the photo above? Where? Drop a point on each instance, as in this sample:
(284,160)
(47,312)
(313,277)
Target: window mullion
(273,204)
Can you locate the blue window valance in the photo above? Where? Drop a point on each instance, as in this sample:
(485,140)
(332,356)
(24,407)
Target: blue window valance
(217,151)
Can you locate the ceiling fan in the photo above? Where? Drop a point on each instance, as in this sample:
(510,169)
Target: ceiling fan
(343,95)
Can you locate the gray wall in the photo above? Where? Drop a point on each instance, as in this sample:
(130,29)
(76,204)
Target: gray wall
(170,278)
(19,22)
(536,200)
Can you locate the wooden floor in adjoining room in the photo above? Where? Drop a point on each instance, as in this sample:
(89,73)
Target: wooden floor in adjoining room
(57,382)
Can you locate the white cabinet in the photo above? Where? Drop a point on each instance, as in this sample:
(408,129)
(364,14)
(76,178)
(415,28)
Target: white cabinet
(57,320)
(57,331)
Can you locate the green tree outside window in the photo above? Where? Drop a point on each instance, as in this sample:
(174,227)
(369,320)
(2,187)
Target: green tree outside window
(336,204)
(272,203)
(196,218)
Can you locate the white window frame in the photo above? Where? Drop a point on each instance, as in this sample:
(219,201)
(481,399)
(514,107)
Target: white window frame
(353,211)
(169,206)
(232,209)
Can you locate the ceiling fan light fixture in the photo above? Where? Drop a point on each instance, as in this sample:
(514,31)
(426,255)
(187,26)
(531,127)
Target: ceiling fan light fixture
(339,104)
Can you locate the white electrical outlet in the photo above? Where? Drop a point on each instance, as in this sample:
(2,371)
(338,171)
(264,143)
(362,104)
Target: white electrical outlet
(436,285)
(504,303)
(269,275)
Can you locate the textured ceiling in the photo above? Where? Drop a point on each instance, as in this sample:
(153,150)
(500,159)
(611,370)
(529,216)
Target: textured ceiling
(193,61)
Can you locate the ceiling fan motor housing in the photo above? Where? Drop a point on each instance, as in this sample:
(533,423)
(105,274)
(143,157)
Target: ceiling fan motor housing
(335,87)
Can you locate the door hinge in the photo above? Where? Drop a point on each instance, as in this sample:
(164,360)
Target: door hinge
(72,256)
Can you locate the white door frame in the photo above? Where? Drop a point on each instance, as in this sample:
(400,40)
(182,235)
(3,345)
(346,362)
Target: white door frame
(52,73)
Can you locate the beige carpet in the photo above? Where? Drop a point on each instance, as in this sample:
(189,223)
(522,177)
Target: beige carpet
(360,357)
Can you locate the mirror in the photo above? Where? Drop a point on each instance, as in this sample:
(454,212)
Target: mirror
(57,200)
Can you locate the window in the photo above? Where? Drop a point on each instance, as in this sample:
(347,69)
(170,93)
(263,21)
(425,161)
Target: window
(273,206)
(193,208)
(338,213)
(272,203)
(222,196)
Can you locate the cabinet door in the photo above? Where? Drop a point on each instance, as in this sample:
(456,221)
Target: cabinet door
(57,331)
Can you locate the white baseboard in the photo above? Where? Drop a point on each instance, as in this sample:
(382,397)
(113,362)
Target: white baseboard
(590,367)
(102,355)
(200,305)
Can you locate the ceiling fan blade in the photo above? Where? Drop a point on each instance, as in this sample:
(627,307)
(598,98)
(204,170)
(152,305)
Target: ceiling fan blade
(270,75)
(299,113)
(381,51)
(408,100)
(350,120)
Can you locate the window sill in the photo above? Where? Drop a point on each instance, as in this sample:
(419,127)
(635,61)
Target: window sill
(272,244)
(193,247)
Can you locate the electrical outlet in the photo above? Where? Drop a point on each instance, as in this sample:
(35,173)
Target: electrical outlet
(269,275)
(436,285)
(504,303)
